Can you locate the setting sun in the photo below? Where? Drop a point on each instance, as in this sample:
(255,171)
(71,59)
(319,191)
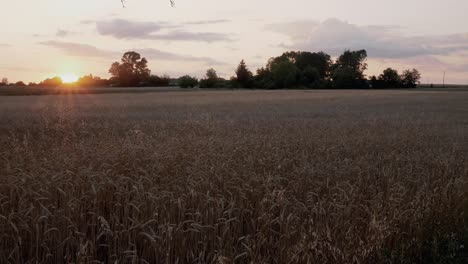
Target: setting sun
(69,78)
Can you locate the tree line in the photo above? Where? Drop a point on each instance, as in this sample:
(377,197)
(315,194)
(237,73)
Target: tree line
(308,70)
(291,70)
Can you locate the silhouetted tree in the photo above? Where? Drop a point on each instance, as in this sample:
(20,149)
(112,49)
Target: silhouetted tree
(310,77)
(158,81)
(345,78)
(92,81)
(264,79)
(390,78)
(210,80)
(52,82)
(132,69)
(20,84)
(285,74)
(280,72)
(244,76)
(355,60)
(302,59)
(376,83)
(348,70)
(187,81)
(410,78)
(311,70)
(4,82)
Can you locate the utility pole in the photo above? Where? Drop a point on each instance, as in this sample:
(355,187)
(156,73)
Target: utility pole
(443,81)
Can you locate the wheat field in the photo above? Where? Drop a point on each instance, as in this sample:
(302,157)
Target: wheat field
(235,177)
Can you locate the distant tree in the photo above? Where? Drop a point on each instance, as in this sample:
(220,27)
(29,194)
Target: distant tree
(52,82)
(4,82)
(210,80)
(158,81)
(20,84)
(223,83)
(187,81)
(390,78)
(285,74)
(348,70)
(310,77)
(376,83)
(410,78)
(302,59)
(280,72)
(92,81)
(132,69)
(264,79)
(355,60)
(244,76)
(345,78)
(312,70)
(32,84)
(211,74)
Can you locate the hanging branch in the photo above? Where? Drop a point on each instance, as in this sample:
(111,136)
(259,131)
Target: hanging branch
(172,3)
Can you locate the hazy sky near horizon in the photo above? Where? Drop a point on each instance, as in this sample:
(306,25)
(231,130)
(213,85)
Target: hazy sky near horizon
(46,38)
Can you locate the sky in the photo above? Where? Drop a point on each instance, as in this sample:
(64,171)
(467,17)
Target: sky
(41,39)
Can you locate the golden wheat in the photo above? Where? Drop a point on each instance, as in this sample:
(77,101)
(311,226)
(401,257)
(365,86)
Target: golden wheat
(235,177)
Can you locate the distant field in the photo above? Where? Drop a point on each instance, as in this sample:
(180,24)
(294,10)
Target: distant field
(442,86)
(235,177)
(20,91)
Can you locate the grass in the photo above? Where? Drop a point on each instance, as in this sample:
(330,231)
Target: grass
(235,177)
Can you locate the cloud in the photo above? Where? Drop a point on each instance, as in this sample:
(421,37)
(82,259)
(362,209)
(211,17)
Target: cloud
(169,56)
(125,29)
(297,30)
(207,22)
(428,64)
(181,35)
(3,45)
(87,22)
(334,36)
(85,50)
(63,33)
(23,69)
(79,50)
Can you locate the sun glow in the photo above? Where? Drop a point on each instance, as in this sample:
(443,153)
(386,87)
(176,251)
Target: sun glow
(69,78)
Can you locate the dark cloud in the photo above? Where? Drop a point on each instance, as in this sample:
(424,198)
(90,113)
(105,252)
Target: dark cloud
(334,36)
(125,29)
